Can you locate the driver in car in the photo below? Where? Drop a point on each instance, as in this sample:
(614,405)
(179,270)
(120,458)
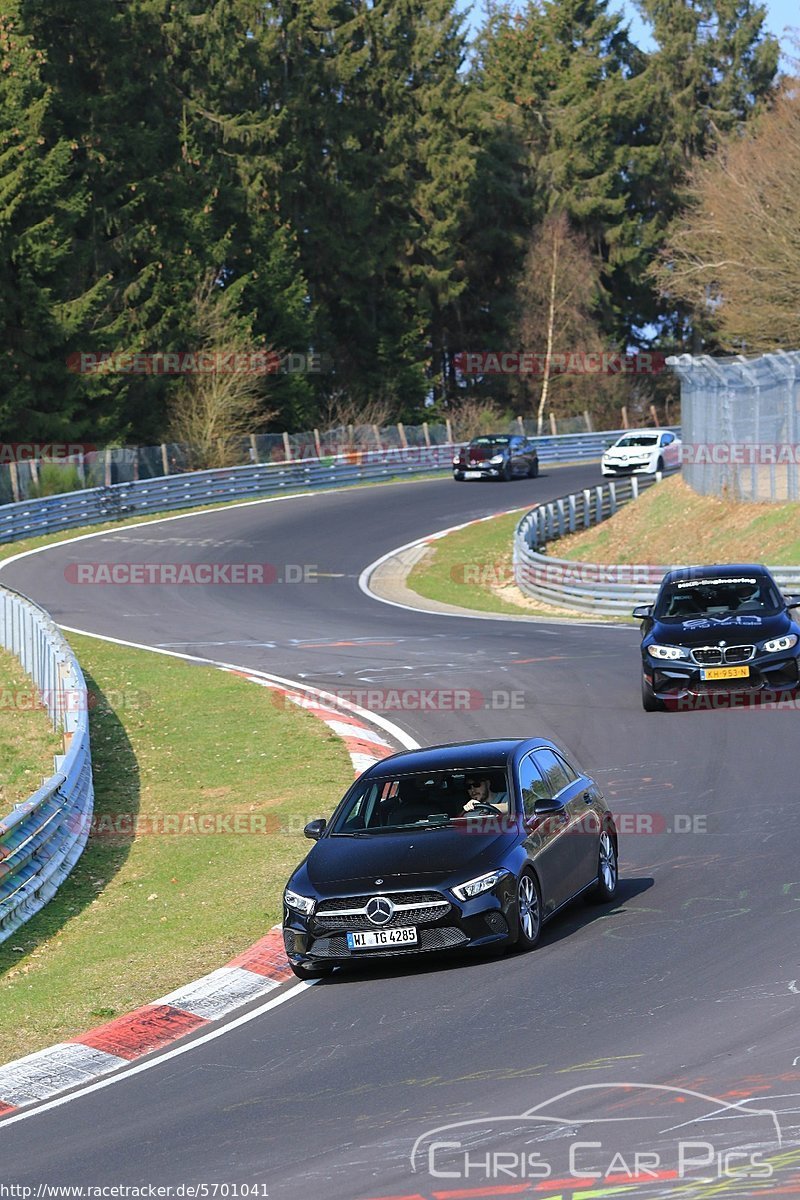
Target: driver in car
(480,793)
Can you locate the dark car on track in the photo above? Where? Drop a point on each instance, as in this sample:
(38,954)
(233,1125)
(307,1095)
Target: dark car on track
(497,456)
(455,847)
(718,630)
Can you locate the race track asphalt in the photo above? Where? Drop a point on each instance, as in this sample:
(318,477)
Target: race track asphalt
(689,981)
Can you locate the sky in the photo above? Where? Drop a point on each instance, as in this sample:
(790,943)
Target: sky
(782,16)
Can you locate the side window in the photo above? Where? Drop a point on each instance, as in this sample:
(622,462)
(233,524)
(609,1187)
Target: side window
(531,785)
(553,772)
(516,443)
(667,439)
(569,771)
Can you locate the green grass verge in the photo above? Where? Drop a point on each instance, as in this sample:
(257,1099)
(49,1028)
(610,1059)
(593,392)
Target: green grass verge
(142,914)
(472,568)
(670,523)
(27,739)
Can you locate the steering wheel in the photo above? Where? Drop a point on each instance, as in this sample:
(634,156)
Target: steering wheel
(486,806)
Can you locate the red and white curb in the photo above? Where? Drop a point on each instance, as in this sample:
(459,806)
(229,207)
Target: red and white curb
(250,976)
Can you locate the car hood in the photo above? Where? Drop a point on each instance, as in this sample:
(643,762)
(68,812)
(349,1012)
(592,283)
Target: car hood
(629,451)
(404,859)
(479,453)
(734,630)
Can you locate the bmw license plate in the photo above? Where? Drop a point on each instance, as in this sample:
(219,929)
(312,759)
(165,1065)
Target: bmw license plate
(473,474)
(407,936)
(725,673)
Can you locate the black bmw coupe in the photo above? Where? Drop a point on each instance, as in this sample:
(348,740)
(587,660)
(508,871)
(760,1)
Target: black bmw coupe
(449,848)
(718,631)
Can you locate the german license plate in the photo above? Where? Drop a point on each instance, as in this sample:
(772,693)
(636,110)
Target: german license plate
(725,673)
(407,936)
(473,474)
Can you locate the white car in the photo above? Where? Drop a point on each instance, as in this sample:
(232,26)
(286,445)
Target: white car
(643,450)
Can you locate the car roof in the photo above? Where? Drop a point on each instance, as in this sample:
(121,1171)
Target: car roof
(716,571)
(452,755)
(630,432)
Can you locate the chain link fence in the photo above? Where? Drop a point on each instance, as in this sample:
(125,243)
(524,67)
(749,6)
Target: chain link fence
(24,475)
(741,425)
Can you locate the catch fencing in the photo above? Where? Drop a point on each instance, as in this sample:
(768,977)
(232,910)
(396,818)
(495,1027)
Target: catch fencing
(71,510)
(75,465)
(42,838)
(741,425)
(600,589)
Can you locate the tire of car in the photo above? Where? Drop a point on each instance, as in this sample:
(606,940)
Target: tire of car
(303,972)
(529,911)
(533,471)
(650,702)
(607,870)
(458,476)
(660,466)
(507,473)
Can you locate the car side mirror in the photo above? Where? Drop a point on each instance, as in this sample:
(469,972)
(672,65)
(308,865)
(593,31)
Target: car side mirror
(542,808)
(315,829)
(792,601)
(643,612)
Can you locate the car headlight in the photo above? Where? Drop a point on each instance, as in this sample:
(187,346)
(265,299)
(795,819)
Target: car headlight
(496,458)
(477,886)
(671,652)
(300,903)
(781,643)
(456,461)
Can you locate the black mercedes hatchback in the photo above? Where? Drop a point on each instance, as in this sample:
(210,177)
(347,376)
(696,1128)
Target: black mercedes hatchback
(718,630)
(449,848)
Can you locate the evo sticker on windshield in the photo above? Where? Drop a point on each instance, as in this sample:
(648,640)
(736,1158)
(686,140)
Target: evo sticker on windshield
(710,622)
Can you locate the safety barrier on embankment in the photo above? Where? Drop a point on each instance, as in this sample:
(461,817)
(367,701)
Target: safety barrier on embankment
(70,510)
(604,589)
(42,838)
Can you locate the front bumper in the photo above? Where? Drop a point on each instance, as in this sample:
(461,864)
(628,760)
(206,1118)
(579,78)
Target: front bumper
(613,468)
(480,470)
(767,674)
(490,918)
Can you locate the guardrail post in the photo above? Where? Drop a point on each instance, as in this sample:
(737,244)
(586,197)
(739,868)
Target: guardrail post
(612,497)
(587,508)
(571,504)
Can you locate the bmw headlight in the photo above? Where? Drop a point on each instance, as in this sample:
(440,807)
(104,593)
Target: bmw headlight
(781,643)
(671,652)
(478,885)
(299,903)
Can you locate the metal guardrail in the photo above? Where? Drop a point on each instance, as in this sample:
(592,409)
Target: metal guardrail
(70,510)
(603,589)
(42,838)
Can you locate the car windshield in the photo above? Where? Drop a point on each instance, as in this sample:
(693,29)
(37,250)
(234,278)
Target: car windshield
(638,439)
(424,800)
(718,596)
(489,441)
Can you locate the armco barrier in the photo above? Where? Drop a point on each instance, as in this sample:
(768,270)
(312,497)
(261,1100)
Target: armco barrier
(96,505)
(42,838)
(600,588)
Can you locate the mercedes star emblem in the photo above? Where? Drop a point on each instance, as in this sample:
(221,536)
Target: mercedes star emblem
(380,910)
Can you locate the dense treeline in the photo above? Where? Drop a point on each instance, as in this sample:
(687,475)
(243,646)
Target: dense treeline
(359,182)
